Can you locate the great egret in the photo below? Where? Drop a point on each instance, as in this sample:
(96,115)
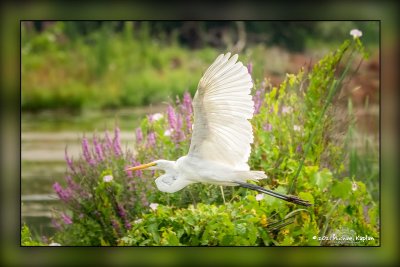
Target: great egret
(221,138)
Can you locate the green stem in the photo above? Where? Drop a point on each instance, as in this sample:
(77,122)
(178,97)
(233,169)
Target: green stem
(328,217)
(332,91)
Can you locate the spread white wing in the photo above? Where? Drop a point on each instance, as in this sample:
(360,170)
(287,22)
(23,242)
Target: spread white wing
(222,106)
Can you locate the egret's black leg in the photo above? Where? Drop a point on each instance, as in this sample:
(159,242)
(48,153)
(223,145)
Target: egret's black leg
(260,189)
(280,224)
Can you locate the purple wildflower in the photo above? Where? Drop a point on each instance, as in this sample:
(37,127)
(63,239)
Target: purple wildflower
(128,173)
(69,161)
(250,68)
(150,118)
(82,169)
(187,103)
(299,149)
(121,211)
(66,218)
(139,135)
(71,183)
(258,100)
(86,151)
(187,108)
(151,139)
(267,127)
(138,172)
(178,134)
(128,226)
(171,117)
(175,123)
(109,143)
(64,195)
(98,149)
(56,224)
(117,142)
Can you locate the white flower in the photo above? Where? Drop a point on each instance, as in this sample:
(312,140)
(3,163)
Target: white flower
(157,116)
(259,197)
(356,33)
(168,132)
(108,178)
(354,186)
(296,127)
(54,244)
(137,221)
(153,206)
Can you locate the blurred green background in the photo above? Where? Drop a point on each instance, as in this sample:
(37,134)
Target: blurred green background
(112,64)
(10,71)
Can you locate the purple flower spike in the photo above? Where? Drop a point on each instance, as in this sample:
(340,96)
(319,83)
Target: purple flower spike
(139,135)
(178,133)
(151,139)
(171,117)
(121,211)
(98,149)
(258,100)
(66,218)
(86,151)
(129,173)
(71,183)
(128,226)
(250,68)
(64,195)
(109,143)
(117,142)
(187,103)
(69,161)
(138,173)
(188,110)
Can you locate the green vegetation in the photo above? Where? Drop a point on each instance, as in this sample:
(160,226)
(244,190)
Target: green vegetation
(104,69)
(26,238)
(296,143)
(92,65)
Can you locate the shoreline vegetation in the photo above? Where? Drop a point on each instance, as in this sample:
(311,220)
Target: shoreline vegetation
(299,141)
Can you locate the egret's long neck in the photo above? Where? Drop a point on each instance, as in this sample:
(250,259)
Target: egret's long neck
(167,165)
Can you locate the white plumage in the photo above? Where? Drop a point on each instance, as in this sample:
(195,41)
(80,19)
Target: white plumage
(222,107)
(222,134)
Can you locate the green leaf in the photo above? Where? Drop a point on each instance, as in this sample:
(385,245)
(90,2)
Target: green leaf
(241,228)
(341,189)
(307,196)
(322,179)
(227,240)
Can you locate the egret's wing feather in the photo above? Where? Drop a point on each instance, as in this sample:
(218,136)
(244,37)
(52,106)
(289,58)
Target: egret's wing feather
(222,106)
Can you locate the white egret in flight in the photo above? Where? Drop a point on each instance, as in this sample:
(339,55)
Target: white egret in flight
(222,134)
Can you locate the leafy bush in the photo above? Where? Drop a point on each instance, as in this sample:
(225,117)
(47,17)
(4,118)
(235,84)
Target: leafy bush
(26,237)
(295,144)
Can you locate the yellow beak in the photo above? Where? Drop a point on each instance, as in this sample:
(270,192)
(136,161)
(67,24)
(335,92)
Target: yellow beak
(141,167)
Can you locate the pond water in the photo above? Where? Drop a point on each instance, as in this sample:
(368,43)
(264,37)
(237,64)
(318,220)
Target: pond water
(44,138)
